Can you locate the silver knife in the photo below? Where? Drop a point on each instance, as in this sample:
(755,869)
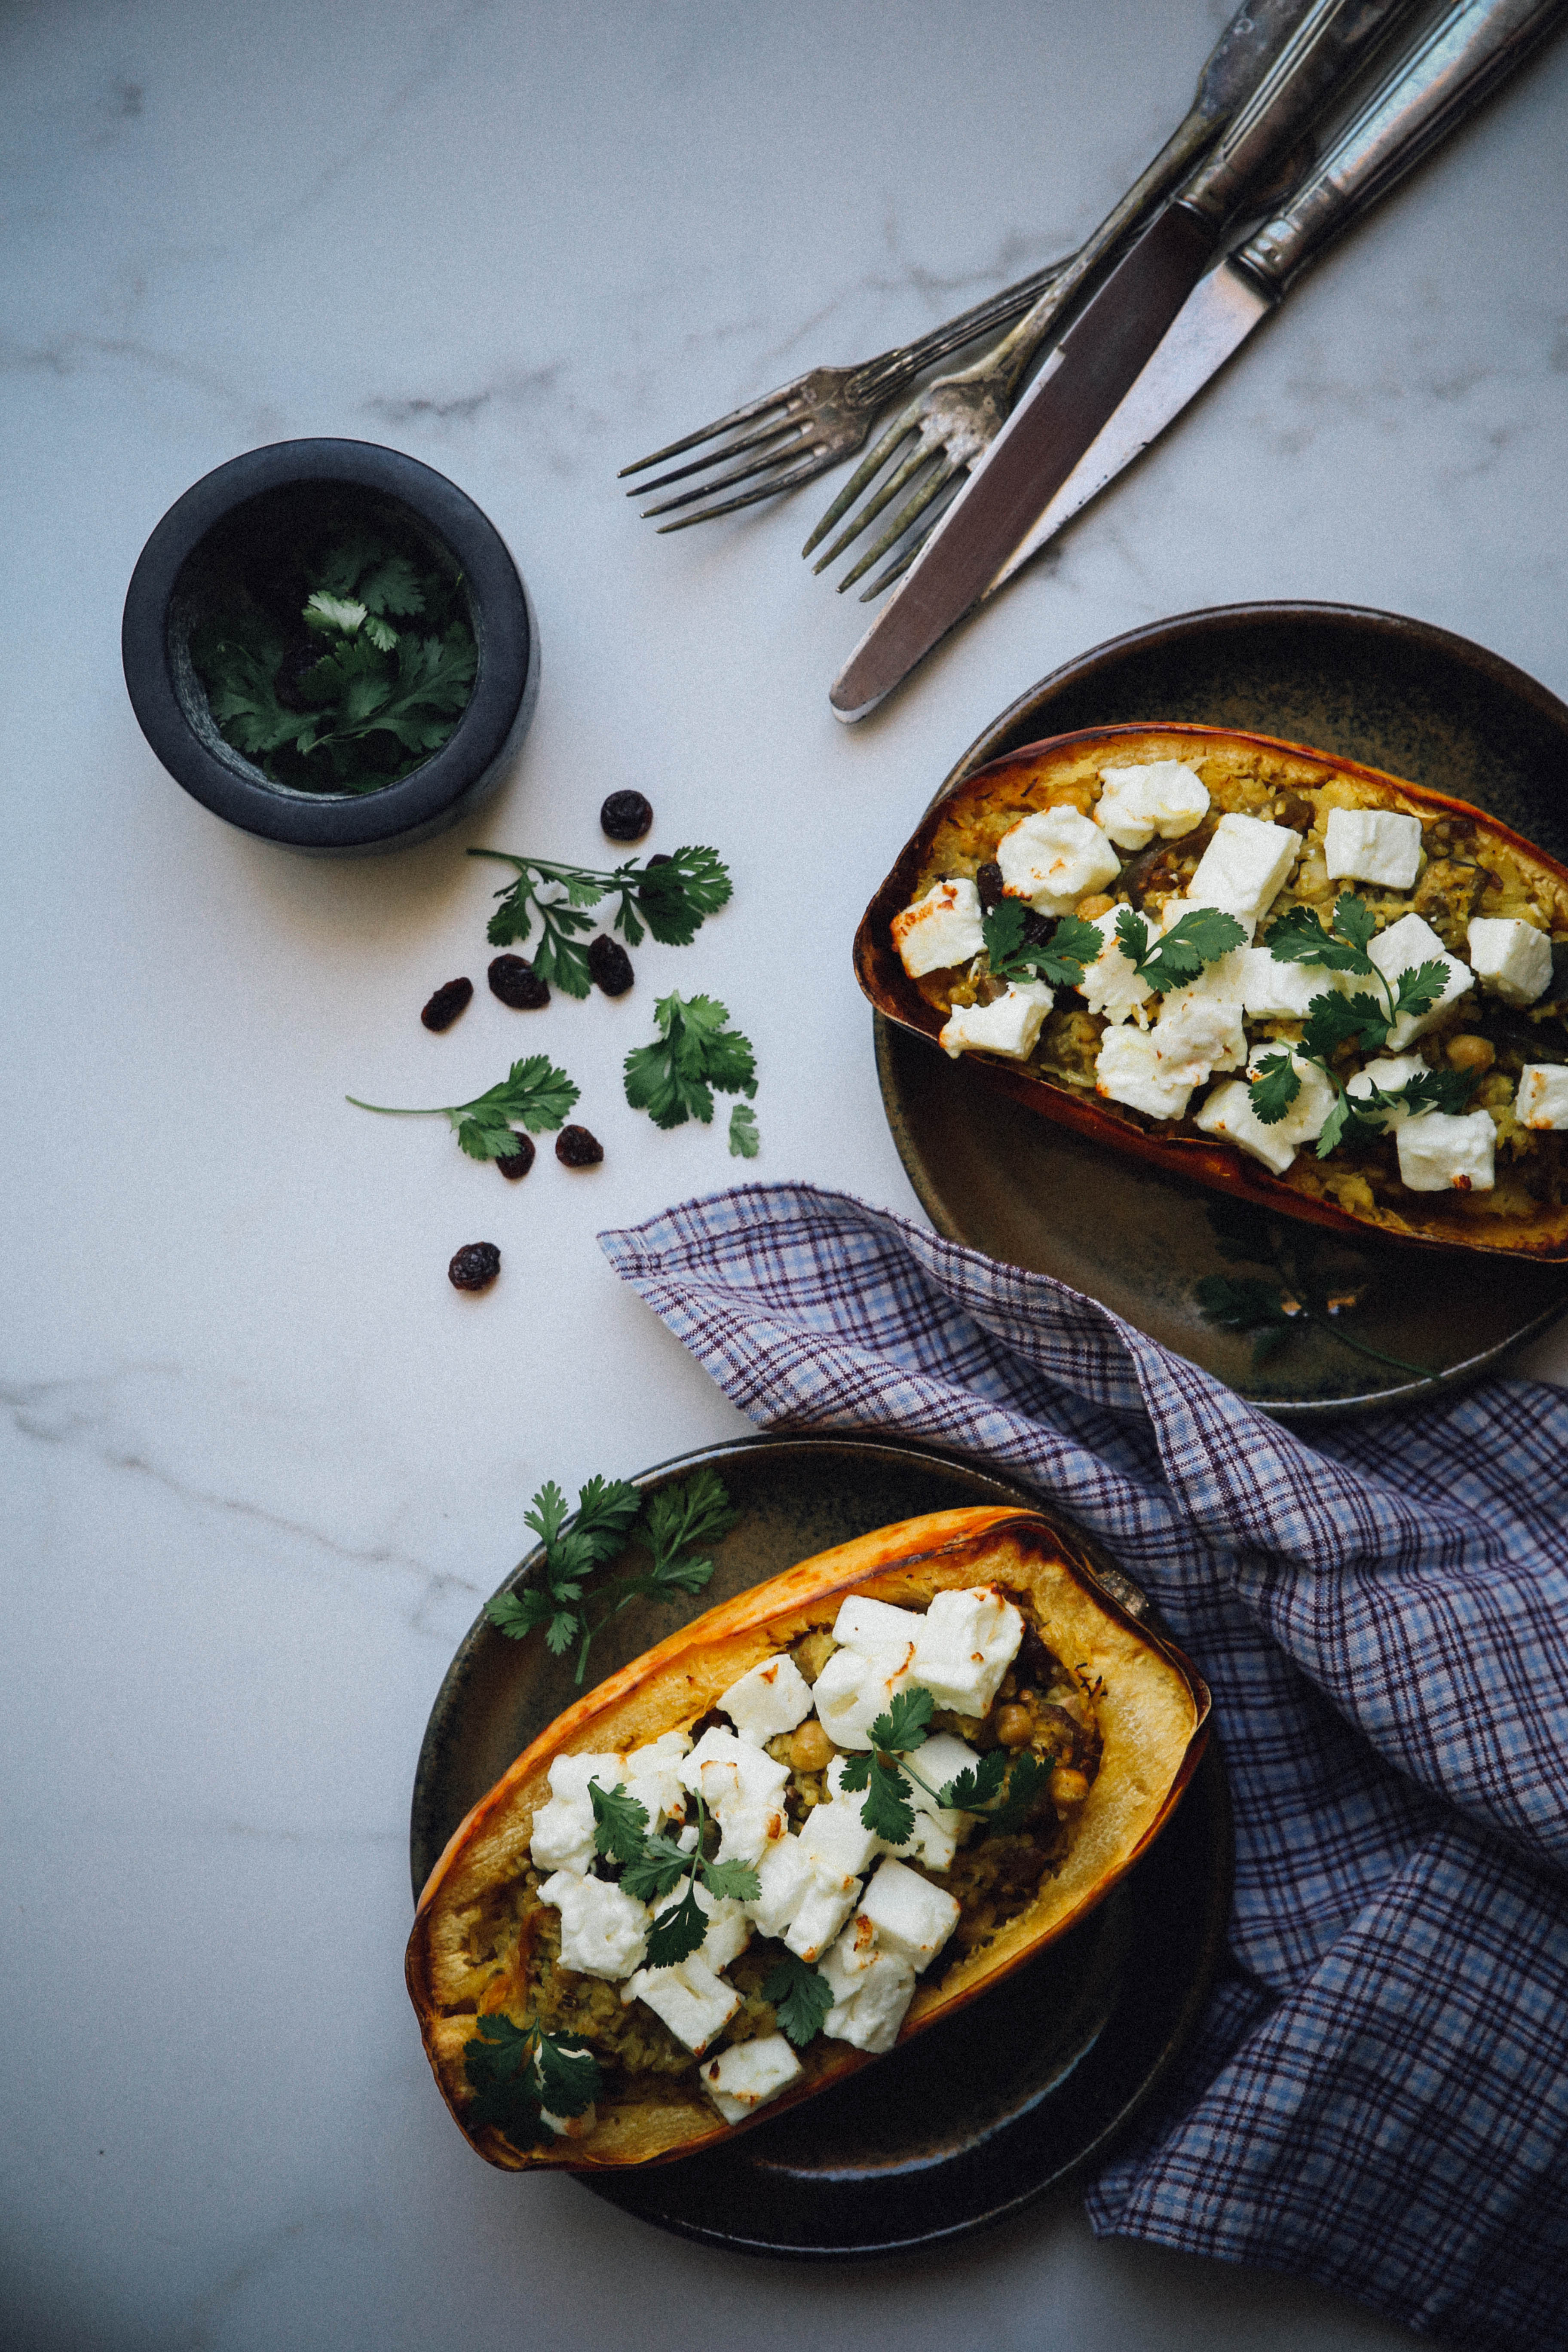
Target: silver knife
(1457,63)
(1099,359)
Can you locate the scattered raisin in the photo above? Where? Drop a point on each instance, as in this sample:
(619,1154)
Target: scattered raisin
(610,965)
(475,1266)
(1295,812)
(513,979)
(661,857)
(517,1163)
(626,816)
(447,1004)
(575,1148)
(712,1721)
(988,882)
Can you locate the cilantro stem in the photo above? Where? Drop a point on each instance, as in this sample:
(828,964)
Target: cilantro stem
(398,1110)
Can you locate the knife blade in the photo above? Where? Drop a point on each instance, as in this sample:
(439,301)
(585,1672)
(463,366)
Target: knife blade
(1449,71)
(1097,362)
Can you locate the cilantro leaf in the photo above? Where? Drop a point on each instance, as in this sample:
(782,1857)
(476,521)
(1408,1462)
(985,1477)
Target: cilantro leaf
(904,1725)
(1333,1020)
(678,1932)
(676,896)
(1344,1124)
(1418,988)
(1027,1782)
(1445,1090)
(516,1614)
(660,1865)
(620,1822)
(568,2074)
(607,1508)
(1016,950)
(495,2066)
(673,1079)
(1299,938)
(856,1770)
(1275,1088)
(1247,1303)
(977,1783)
(744,1141)
(534,1094)
(1354,921)
(801,1998)
(1198,938)
(888,1809)
(734,1881)
(672,896)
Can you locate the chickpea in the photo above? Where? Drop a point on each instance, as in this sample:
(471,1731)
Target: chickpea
(810,1749)
(1013,1725)
(1069,1788)
(1469,1052)
(1096,904)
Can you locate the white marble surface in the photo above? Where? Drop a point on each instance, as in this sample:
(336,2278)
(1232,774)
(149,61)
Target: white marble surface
(261,1462)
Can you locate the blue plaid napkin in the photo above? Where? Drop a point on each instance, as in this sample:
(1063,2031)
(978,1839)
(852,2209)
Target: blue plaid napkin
(1378,2098)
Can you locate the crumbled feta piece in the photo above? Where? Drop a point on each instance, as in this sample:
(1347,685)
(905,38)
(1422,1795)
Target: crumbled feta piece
(943,927)
(1110,983)
(1445,1151)
(1162,796)
(1128,1069)
(604,1930)
(1401,947)
(873,1626)
(835,1835)
(743,1788)
(1010,1024)
(748,2074)
(823,1909)
(853,1690)
(930,1841)
(966,1642)
(1373,846)
(1053,857)
(571,2126)
(772,1698)
(653,1777)
(747,1831)
(1542,1098)
(562,1836)
(804,1894)
(1272,990)
(1390,1072)
(1229,1114)
(942,1758)
(914,1919)
(871,1989)
(1243,865)
(729,1925)
(783,1875)
(1512,958)
(693,2002)
(1199,1029)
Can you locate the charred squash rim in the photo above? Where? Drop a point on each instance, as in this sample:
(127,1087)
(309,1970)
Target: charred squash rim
(1154,1720)
(1221,1167)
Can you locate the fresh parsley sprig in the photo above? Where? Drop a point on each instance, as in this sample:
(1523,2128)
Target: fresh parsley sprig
(1020,946)
(610,1517)
(1193,939)
(518,2073)
(652,1866)
(695,1056)
(534,1094)
(672,896)
(801,1998)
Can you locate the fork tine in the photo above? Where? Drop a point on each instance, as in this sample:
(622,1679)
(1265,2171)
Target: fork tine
(722,481)
(864,472)
(783,401)
(901,521)
(716,457)
(873,507)
(901,562)
(812,465)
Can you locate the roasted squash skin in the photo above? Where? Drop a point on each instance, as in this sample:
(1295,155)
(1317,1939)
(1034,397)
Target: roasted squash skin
(1152,1715)
(1245,771)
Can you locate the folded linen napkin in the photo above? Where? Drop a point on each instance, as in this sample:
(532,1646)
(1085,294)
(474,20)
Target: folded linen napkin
(1378,2098)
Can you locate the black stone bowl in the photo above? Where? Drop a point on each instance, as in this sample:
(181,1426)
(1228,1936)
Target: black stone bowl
(270,497)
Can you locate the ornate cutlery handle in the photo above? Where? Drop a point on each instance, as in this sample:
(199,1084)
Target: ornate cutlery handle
(1329,41)
(1471,48)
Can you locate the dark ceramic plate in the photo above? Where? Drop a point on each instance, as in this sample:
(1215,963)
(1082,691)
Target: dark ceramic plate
(1400,696)
(979,2116)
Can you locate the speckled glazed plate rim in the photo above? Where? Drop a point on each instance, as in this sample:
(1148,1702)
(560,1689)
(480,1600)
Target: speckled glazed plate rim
(1203,1817)
(1002,736)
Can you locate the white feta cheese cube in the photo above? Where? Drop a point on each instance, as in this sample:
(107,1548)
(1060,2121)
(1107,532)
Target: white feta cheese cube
(871,1989)
(729,1925)
(729,1770)
(747,1831)
(1128,1069)
(1445,1151)
(1199,1028)
(772,1698)
(604,1930)
(834,1836)
(1010,1024)
(943,927)
(966,1642)
(1275,991)
(1390,1072)
(872,1627)
(1512,958)
(1540,1100)
(783,1872)
(930,1841)
(944,1756)
(914,1919)
(1053,857)
(571,2126)
(653,1777)
(1229,1113)
(1110,983)
(1162,796)
(748,2074)
(562,1836)
(1373,846)
(934,1839)
(853,1690)
(692,2002)
(1403,947)
(1245,865)
(824,1907)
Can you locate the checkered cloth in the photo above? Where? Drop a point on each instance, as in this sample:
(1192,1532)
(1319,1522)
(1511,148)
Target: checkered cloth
(1378,2098)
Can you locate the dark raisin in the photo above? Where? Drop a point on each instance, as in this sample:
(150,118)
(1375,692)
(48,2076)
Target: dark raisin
(575,1148)
(513,979)
(475,1268)
(1034,1663)
(712,1721)
(988,882)
(626,816)
(661,857)
(447,1004)
(1295,812)
(610,965)
(517,1163)
(1038,929)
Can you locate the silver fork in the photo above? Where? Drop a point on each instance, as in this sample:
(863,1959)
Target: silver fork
(955,420)
(808,426)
